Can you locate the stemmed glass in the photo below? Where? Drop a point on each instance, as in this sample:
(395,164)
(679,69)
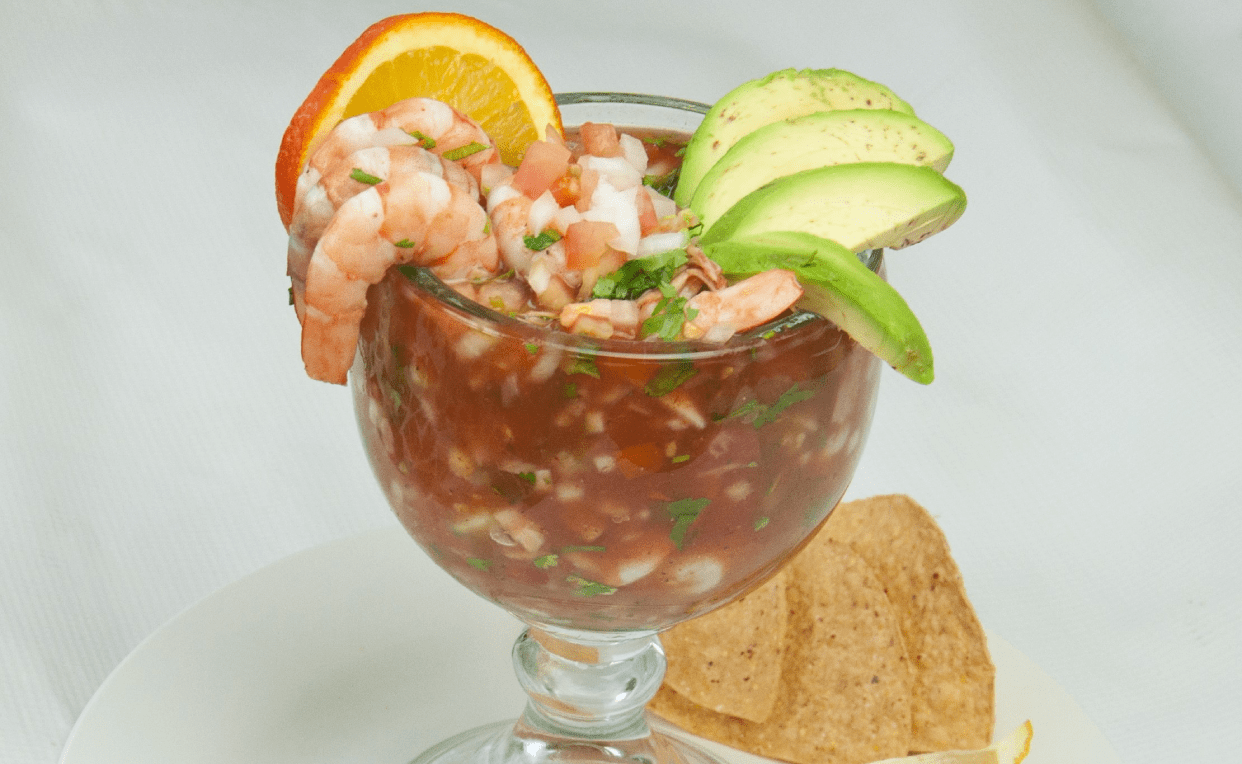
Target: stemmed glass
(602,490)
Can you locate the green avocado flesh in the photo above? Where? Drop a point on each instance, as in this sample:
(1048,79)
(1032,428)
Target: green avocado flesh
(864,205)
(840,288)
(781,95)
(817,140)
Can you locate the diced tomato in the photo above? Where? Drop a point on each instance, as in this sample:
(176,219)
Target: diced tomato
(611,260)
(543,164)
(567,188)
(600,140)
(647,219)
(586,242)
(586,187)
(642,456)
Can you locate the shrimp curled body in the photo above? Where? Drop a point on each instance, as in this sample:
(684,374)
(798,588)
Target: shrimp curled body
(348,177)
(412,217)
(423,122)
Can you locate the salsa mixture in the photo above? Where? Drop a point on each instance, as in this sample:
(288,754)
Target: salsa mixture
(596,481)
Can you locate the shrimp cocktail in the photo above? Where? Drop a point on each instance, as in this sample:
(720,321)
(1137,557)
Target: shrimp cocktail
(614,357)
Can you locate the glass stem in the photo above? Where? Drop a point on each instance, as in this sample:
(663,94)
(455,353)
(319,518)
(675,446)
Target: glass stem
(588,686)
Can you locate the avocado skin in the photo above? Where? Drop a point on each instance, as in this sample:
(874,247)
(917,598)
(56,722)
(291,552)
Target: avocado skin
(817,140)
(780,95)
(863,205)
(841,289)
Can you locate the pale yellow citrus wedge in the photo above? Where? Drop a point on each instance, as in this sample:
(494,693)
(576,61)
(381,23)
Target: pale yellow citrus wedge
(457,59)
(1009,750)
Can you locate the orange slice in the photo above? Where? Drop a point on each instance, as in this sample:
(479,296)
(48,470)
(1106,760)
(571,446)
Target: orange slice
(457,59)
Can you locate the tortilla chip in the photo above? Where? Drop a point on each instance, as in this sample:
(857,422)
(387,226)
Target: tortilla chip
(845,683)
(953,702)
(730,659)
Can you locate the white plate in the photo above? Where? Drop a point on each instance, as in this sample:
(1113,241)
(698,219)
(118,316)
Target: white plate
(362,650)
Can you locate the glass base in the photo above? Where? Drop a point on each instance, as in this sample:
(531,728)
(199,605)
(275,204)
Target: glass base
(514,742)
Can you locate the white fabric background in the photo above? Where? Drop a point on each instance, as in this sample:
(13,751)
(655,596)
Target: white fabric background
(1080,445)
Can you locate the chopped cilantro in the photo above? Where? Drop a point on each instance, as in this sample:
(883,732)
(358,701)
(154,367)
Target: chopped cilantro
(546,238)
(531,347)
(590,588)
(684,512)
(583,364)
(761,523)
(547,561)
(481,564)
(669,316)
(639,275)
(529,477)
(787,399)
(681,458)
(364,177)
(464,151)
(766,414)
(669,378)
(404,244)
(663,184)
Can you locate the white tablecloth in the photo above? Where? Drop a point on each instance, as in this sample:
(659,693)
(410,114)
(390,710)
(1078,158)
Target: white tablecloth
(1080,445)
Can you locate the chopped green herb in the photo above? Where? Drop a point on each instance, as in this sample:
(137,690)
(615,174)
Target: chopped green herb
(529,477)
(569,549)
(761,523)
(364,177)
(461,153)
(531,347)
(684,512)
(481,564)
(788,398)
(766,414)
(681,458)
(425,141)
(547,561)
(546,238)
(583,365)
(639,275)
(663,184)
(669,378)
(590,588)
(669,316)
(570,390)
(740,411)
(404,244)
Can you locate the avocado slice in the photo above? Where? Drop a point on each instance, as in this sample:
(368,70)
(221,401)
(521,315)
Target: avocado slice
(841,289)
(817,140)
(780,95)
(861,206)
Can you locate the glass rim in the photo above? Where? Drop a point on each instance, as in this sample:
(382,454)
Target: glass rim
(502,324)
(575,98)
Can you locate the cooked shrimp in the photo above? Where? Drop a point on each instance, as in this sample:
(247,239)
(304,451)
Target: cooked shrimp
(602,318)
(350,176)
(414,216)
(744,305)
(423,122)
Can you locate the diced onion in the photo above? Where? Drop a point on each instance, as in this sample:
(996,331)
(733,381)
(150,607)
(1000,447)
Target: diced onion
(541,212)
(661,242)
(634,152)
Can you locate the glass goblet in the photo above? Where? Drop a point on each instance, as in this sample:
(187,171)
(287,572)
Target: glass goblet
(602,490)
